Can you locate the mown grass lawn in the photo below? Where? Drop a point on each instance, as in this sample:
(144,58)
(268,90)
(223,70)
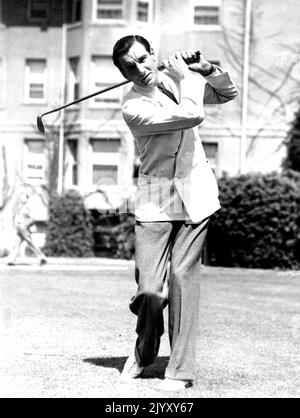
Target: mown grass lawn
(68,333)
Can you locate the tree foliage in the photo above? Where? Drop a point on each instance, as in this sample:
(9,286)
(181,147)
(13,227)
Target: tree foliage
(70,230)
(292,160)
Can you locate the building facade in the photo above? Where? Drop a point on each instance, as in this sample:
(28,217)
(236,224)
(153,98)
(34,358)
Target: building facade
(54,51)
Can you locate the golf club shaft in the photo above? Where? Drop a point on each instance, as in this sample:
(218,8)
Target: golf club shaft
(85,98)
(161,67)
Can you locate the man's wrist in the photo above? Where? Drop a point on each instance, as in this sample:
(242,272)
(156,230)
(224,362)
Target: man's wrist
(207,71)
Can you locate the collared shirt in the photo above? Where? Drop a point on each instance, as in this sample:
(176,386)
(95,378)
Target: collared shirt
(175,180)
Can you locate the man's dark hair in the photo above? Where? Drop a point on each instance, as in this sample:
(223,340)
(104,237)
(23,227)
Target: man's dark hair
(123,45)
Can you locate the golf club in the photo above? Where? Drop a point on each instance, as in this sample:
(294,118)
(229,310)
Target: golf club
(39,121)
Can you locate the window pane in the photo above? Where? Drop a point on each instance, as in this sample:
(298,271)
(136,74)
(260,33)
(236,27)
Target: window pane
(72,161)
(35,146)
(74,84)
(110,9)
(211,152)
(105,174)
(76,91)
(73,146)
(77,10)
(39,9)
(34,161)
(112,96)
(36,91)
(206,15)
(104,70)
(74,64)
(143,11)
(106,145)
(211,149)
(36,66)
(109,14)
(35,79)
(110,3)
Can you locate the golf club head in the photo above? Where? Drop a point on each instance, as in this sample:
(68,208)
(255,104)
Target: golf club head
(40,124)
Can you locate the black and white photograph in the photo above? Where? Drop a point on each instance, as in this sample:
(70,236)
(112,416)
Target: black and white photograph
(149,201)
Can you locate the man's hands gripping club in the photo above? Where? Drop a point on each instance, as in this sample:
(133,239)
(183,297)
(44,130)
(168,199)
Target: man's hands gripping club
(181,63)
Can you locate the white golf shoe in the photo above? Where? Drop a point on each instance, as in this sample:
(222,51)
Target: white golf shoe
(131,369)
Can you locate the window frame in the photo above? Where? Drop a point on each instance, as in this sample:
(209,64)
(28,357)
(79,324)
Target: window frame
(214,165)
(37,19)
(150,12)
(41,80)
(206,3)
(93,83)
(69,173)
(104,159)
(28,158)
(73,80)
(76,22)
(104,21)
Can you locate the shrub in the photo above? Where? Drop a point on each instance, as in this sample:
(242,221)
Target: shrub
(258,224)
(70,231)
(114,234)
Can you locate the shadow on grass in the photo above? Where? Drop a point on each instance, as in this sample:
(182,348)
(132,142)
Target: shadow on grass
(156,370)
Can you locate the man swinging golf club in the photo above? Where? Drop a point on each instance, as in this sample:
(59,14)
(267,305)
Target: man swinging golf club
(177,194)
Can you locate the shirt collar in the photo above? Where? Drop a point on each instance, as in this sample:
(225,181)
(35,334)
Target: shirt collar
(146,91)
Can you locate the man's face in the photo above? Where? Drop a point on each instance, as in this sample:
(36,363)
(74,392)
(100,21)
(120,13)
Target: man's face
(139,66)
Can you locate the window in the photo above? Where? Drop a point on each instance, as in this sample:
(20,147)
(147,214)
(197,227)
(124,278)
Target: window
(71,163)
(144,11)
(73,82)
(104,75)
(35,80)
(105,174)
(110,145)
(105,161)
(34,169)
(76,13)
(206,12)
(38,10)
(109,9)
(211,152)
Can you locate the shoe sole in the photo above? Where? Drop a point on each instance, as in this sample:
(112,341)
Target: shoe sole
(127,377)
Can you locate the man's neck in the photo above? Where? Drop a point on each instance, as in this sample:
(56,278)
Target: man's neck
(146,91)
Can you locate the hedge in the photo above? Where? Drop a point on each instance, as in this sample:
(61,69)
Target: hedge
(70,229)
(258,224)
(114,234)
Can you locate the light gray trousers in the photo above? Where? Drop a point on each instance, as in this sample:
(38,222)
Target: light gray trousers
(157,244)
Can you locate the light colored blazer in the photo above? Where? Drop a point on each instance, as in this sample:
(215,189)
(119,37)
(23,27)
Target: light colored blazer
(175,180)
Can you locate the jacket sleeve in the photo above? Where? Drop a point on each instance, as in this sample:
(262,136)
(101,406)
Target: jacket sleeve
(145,116)
(219,88)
